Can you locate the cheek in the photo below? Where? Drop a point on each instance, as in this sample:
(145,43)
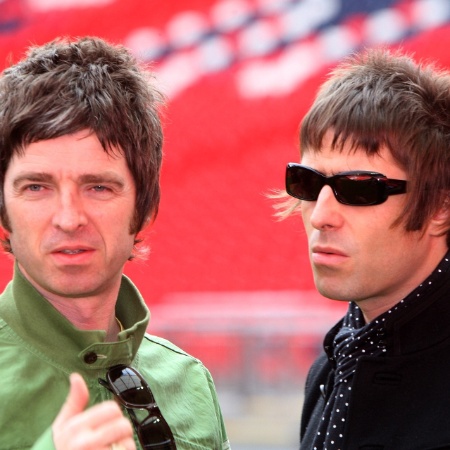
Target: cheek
(305,212)
(24,223)
(118,229)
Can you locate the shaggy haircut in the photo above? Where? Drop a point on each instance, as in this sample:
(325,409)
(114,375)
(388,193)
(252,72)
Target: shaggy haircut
(67,86)
(381,98)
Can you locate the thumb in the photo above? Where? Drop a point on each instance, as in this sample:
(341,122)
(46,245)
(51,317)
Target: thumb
(76,400)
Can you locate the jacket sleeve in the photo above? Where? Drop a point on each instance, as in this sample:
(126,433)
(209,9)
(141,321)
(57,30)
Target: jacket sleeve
(224,438)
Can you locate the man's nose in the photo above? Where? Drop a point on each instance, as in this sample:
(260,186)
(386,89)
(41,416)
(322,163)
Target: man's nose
(69,212)
(326,212)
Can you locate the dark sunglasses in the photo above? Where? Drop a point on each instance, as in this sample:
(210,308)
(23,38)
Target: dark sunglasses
(355,188)
(132,391)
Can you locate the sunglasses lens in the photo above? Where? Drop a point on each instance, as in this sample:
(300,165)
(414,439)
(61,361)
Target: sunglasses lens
(130,387)
(303,183)
(134,393)
(358,190)
(351,188)
(156,434)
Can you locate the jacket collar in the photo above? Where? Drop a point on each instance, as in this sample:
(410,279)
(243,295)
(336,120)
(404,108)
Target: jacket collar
(48,334)
(425,322)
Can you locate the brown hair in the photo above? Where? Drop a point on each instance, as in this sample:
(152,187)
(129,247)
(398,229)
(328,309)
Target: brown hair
(381,98)
(68,85)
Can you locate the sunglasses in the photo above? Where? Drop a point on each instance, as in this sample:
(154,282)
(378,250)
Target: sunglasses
(132,391)
(355,188)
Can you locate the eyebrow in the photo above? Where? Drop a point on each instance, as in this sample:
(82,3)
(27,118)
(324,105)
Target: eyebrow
(37,177)
(88,178)
(102,178)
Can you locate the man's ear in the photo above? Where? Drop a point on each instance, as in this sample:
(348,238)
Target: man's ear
(4,238)
(4,227)
(4,223)
(4,235)
(440,221)
(146,223)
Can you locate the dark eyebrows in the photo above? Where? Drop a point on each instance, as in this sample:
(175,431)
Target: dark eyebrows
(107,177)
(102,178)
(32,177)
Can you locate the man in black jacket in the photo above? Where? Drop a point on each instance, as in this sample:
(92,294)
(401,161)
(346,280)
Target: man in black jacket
(373,188)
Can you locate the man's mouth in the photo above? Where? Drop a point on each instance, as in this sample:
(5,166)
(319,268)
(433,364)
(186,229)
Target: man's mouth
(72,252)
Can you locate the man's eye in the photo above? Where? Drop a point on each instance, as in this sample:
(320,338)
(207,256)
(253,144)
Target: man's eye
(100,188)
(34,187)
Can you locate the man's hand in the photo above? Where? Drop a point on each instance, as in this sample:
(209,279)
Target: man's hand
(96,428)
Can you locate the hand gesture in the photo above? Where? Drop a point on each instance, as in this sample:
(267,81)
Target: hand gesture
(101,427)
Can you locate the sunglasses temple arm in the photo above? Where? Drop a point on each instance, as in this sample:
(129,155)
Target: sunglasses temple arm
(105,384)
(396,187)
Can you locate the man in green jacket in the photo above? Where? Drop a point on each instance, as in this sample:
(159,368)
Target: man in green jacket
(80,156)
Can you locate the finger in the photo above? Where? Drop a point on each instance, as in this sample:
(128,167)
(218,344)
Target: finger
(129,444)
(93,429)
(99,415)
(116,428)
(88,432)
(124,444)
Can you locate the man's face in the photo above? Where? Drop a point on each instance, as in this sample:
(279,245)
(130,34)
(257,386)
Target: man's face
(69,207)
(356,254)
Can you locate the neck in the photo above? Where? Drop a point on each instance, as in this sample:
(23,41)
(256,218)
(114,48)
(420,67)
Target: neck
(94,311)
(88,315)
(375,306)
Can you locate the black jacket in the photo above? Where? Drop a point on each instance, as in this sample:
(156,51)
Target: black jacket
(400,401)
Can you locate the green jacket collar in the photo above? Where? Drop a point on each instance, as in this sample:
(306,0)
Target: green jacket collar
(49,334)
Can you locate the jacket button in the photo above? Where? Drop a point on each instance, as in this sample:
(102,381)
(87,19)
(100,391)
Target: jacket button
(90,358)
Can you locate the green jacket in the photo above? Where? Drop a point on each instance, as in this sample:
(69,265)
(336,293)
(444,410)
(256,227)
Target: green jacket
(39,348)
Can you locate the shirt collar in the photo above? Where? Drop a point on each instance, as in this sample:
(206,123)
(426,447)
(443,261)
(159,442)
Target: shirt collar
(416,322)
